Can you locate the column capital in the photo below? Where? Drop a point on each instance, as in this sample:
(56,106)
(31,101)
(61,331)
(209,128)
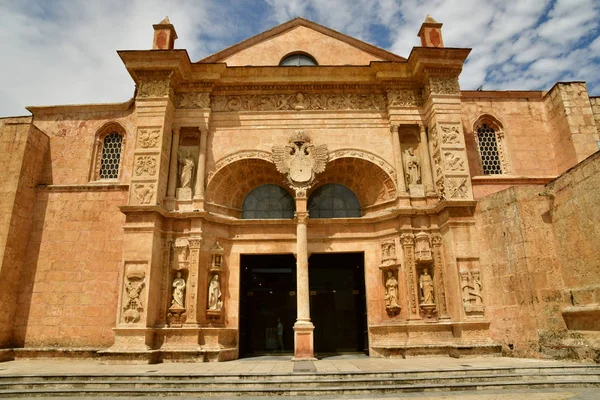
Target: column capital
(394,128)
(301,217)
(407,239)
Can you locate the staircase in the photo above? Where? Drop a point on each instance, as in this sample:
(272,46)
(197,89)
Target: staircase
(299,384)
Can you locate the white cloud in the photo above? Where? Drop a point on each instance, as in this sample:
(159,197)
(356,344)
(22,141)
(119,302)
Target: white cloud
(64,51)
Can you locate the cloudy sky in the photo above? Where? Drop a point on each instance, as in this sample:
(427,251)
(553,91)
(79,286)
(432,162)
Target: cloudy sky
(63,51)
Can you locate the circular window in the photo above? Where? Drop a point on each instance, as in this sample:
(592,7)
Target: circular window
(297,60)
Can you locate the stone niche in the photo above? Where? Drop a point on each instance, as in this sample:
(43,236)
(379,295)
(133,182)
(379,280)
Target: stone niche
(187,167)
(390,267)
(215,288)
(412,161)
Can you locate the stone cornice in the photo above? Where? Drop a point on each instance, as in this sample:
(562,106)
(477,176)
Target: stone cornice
(80,108)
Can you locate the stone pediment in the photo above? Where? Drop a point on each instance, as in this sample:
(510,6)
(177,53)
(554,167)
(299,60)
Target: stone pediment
(326,46)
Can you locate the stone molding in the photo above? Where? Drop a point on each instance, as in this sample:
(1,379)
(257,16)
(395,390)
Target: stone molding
(365,155)
(154,88)
(442,85)
(240,155)
(101,186)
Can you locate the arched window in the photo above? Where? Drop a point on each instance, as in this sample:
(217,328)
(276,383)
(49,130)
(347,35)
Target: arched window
(297,60)
(108,147)
(333,201)
(268,202)
(489,136)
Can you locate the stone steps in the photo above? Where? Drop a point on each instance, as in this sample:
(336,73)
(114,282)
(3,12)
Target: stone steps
(304,384)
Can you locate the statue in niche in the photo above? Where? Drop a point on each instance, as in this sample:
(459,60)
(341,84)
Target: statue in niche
(426,286)
(214,294)
(391,292)
(412,166)
(186,170)
(178,291)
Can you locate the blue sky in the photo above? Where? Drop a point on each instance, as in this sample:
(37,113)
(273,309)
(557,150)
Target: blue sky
(64,51)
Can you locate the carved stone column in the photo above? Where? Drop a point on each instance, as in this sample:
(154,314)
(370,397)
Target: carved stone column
(408,246)
(427,176)
(440,282)
(173,169)
(400,184)
(200,172)
(303,328)
(195,244)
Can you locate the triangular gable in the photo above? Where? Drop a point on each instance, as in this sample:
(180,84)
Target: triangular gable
(327,46)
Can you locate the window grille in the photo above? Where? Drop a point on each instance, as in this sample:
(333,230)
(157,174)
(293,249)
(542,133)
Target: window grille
(111,156)
(488,150)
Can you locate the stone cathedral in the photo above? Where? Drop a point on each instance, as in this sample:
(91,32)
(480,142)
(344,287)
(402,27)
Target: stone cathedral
(304,193)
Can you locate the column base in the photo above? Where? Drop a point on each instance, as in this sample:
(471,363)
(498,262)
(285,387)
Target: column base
(198,204)
(304,341)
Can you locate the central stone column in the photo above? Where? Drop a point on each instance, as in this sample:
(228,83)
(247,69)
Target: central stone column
(303,328)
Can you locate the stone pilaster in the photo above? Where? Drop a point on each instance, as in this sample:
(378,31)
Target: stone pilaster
(440,282)
(201,172)
(427,178)
(408,247)
(173,170)
(192,292)
(400,184)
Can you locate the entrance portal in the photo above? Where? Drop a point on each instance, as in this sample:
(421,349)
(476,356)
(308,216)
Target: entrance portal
(267,292)
(337,302)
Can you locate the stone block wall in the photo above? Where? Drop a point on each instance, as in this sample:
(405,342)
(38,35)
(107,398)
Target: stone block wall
(574,134)
(69,285)
(595,102)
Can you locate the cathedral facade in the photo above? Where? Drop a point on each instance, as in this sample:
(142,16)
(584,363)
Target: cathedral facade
(302,192)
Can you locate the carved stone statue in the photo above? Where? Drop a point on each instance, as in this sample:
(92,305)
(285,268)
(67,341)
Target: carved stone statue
(186,169)
(391,292)
(412,167)
(214,294)
(426,286)
(178,291)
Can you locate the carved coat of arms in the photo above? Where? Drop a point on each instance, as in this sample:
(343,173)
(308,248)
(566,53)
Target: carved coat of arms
(300,160)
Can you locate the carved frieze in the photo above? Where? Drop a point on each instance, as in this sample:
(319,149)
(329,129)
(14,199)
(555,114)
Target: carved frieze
(144,192)
(404,98)
(154,88)
(145,165)
(192,100)
(442,85)
(148,137)
(299,101)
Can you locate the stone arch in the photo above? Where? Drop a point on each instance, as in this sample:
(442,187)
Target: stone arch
(231,182)
(370,179)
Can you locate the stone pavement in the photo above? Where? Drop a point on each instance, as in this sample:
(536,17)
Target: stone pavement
(344,363)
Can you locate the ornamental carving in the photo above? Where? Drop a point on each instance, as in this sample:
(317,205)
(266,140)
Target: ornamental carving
(443,85)
(144,192)
(300,160)
(132,304)
(457,188)
(388,254)
(391,294)
(423,247)
(470,284)
(154,88)
(433,135)
(148,137)
(437,161)
(341,153)
(407,239)
(242,155)
(404,98)
(450,134)
(453,161)
(192,100)
(145,165)
(299,101)
(440,188)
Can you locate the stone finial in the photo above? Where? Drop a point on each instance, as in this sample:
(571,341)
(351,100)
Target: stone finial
(164,35)
(431,33)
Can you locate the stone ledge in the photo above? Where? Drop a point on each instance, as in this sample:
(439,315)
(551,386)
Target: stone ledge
(56,352)
(85,187)
(582,318)
(452,350)
(6,355)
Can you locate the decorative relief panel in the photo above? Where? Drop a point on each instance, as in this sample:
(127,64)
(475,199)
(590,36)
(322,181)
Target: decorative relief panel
(144,192)
(451,134)
(145,165)
(442,85)
(134,284)
(404,98)
(154,88)
(299,101)
(192,100)
(408,241)
(454,162)
(450,165)
(457,188)
(148,137)
(471,289)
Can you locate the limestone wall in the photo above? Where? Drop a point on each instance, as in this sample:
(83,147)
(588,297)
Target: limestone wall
(595,102)
(23,150)
(539,256)
(69,290)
